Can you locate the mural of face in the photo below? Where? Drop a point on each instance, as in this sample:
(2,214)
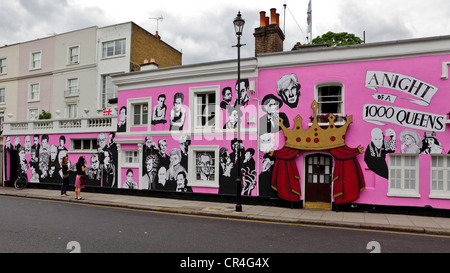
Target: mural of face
(27,143)
(162,175)
(95,163)
(123,114)
(174,159)
(227,96)
(272,106)
(130,176)
(288,88)
(267,142)
(181,181)
(377,137)
(53,152)
(205,163)
(242,89)
(149,164)
(161,100)
(177,104)
(267,163)
(101,140)
(162,146)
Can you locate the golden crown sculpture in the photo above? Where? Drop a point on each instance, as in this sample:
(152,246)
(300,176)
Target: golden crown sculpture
(315,138)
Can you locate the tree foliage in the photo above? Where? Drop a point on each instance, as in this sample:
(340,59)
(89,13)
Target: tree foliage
(45,115)
(337,39)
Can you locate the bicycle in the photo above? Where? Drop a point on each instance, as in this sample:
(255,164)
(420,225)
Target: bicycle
(20,183)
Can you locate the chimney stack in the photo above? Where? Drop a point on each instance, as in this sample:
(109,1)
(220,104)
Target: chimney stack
(149,65)
(268,36)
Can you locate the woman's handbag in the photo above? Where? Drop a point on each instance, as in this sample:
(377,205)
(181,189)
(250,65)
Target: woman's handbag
(82,180)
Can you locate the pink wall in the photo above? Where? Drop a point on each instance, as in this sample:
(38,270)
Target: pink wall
(357,95)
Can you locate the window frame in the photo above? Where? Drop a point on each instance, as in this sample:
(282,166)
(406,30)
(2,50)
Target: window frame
(192,166)
(130,112)
(402,191)
(105,48)
(194,93)
(92,149)
(32,61)
(30,92)
(2,95)
(70,55)
(68,92)
(104,95)
(318,87)
(69,105)
(445,192)
(3,68)
(141,114)
(136,159)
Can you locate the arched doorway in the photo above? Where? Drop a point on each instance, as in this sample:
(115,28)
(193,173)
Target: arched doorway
(318,180)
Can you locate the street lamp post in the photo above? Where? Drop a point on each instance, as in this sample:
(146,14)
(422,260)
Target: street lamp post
(238,27)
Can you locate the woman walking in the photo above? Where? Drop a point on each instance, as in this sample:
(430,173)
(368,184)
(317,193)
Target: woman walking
(65,172)
(80,179)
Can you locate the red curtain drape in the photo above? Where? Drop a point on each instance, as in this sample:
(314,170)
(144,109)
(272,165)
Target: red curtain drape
(285,176)
(348,177)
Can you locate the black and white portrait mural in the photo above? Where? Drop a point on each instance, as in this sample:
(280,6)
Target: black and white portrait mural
(227,180)
(288,89)
(129,183)
(411,143)
(430,144)
(178,113)
(159,111)
(248,172)
(265,177)
(94,172)
(205,166)
(381,144)
(182,182)
(242,87)
(184,142)
(227,96)
(148,181)
(161,168)
(234,118)
(229,169)
(122,124)
(268,123)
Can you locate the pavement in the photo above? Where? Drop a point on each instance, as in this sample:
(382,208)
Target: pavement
(358,220)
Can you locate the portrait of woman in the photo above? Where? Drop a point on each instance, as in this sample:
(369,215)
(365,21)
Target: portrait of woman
(411,143)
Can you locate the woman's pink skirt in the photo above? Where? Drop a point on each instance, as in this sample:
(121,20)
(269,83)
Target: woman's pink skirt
(77,182)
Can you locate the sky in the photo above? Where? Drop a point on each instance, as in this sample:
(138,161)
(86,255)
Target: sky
(203,29)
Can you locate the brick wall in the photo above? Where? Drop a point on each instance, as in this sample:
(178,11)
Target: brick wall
(144,46)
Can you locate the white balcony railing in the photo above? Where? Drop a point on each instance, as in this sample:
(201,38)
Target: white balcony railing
(54,126)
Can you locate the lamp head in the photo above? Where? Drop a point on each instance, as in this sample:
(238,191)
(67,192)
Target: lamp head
(238,24)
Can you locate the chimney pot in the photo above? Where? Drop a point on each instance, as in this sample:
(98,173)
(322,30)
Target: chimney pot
(278,19)
(273,16)
(267,21)
(262,19)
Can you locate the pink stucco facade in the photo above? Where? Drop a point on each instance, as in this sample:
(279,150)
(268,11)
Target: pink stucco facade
(398,103)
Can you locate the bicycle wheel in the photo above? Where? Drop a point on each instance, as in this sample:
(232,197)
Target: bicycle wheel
(20,183)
